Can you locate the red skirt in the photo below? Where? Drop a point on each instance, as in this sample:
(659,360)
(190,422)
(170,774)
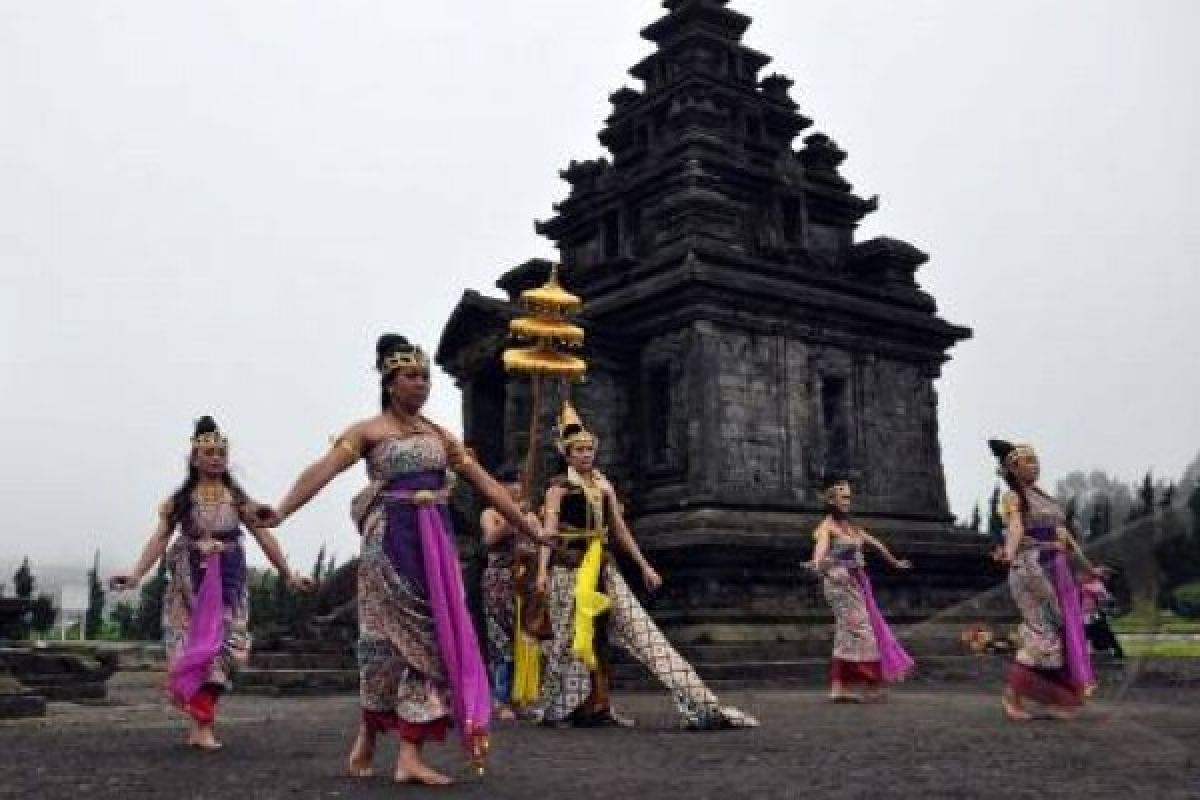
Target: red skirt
(856,673)
(1049,687)
(416,732)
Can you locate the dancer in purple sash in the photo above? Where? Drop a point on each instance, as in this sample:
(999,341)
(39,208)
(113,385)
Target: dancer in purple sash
(1052,668)
(205,608)
(419,660)
(865,653)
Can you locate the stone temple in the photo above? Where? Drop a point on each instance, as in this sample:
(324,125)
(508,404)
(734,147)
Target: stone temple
(742,344)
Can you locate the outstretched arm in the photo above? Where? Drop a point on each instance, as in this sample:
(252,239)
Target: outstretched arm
(1072,544)
(152,552)
(625,537)
(494,495)
(1014,526)
(270,547)
(897,563)
(345,452)
(550,531)
(821,548)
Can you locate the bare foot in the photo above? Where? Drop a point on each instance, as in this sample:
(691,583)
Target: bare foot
(411,769)
(1013,709)
(359,764)
(505,713)
(844,697)
(202,737)
(422,774)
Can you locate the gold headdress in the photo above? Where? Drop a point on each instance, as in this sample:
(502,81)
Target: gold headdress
(208,438)
(1008,454)
(832,485)
(571,430)
(411,357)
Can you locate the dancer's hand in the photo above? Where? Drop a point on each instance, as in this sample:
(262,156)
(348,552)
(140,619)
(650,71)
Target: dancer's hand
(267,517)
(301,583)
(904,563)
(652,579)
(541,583)
(122,583)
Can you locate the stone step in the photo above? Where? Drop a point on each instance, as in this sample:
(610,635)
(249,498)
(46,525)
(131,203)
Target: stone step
(292,682)
(21,705)
(344,659)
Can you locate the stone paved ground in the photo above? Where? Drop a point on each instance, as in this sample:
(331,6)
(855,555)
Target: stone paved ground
(926,743)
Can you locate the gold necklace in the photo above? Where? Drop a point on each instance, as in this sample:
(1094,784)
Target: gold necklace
(411,425)
(210,494)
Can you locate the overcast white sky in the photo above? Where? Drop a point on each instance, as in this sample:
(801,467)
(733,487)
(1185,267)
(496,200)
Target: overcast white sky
(217,206)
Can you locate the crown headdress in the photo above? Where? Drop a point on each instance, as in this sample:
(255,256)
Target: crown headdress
(404,358)
(571,430)
(210,439)
(1007,453)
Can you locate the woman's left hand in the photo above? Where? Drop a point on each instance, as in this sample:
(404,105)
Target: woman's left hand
(651,578)
(904,563)
(301,583)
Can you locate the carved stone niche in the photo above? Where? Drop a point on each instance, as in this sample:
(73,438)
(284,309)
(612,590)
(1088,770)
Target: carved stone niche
(834,393)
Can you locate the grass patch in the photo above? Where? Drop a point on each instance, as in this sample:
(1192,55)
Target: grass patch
(1145,621)
(1161,649)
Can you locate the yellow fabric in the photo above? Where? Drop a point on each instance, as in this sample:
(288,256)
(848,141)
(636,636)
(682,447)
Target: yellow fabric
(527,664)
(589,603)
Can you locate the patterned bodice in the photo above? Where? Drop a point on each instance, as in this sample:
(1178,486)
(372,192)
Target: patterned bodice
(395,458)
(1043,518)
(846,552)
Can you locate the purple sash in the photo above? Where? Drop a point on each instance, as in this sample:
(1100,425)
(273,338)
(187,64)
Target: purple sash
(1075,646)
(894,661)
(205,633)
(452,625)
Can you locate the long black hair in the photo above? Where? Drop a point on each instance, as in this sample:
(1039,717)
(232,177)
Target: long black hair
(182,501)
(1002,450)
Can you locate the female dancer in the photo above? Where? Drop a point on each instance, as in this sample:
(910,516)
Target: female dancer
(507,554)
(581,511)
(205,610)
(1052,666)
(419,660)
(865,653)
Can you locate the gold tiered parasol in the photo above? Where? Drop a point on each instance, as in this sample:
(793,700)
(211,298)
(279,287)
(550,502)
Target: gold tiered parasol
(549,333)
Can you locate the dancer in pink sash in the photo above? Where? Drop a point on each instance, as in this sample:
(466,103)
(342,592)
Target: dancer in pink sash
(205,609)
(865,653)
(419,661)
(1053,669)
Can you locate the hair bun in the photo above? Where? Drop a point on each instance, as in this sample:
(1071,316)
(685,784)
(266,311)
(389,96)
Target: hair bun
(389,343)
(205,424)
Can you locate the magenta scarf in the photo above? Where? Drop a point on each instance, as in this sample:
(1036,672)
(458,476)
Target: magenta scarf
(894,661)
(1075,646)
(205,635)
(453,627)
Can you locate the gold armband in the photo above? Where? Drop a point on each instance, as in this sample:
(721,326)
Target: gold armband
(343,444)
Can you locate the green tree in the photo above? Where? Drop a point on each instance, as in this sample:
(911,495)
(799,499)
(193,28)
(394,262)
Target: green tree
(93,620)
(124,617)
(43,614)
(1100,520)
(976,519)
(23,581)
(148,620)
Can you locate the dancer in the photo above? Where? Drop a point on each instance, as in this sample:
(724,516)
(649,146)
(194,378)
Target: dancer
(1052,667)
(509,556)
(582,511)
(419,661)
(865,653)
(205,608)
